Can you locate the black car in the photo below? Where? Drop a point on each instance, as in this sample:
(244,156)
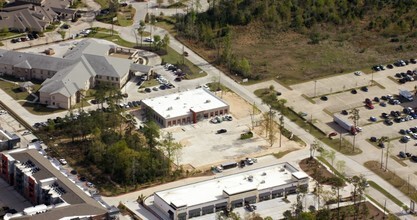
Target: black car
(376,99)
(365,89)
(413,158)
(148,90)
(242,163)
(354,91)
(388,122)
(373,139)
(398,75)
(408,154)
(402,131)
(384,115)
(324,98)
(390,66)
(83,179)
(402,154)
(178,79)
(413,129)
(73,172)
(413,61)
(383,104)
(344,112)
(221,131)
(381,145)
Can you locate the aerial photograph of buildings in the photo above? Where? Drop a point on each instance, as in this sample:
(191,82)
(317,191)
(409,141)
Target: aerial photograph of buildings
(208,109)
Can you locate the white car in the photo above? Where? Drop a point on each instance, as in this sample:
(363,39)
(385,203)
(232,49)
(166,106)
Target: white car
(89,184)
(148,39)
(63,161)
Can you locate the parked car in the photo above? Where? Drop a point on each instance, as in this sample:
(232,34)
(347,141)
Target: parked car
(365,89)
(221,131)
(372,118)
(344,112)
(148,90)
(388,122)
(402,154)
(376,99)
(413,158)
(405,139)
(373,139)
(353,91)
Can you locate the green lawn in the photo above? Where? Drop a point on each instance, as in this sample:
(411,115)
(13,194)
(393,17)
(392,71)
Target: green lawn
(149,83)
(174,57)
(13,90)
(105,34)
(385,193)
(103,3)
(123,20)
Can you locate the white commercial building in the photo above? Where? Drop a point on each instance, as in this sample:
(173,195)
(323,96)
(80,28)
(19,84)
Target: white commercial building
(229,192)
(185,107)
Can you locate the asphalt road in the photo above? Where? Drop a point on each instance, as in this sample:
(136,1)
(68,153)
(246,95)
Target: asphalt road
(353,167)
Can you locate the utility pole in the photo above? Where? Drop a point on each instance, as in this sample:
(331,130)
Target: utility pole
(315,88)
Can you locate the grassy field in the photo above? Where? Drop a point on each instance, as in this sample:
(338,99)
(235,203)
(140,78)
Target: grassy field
(103,3)
(115,38)
(174,57)
(387,194)
(393,179)
(290,58)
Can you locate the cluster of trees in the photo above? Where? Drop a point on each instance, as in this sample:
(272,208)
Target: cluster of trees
(110,141)
(214,27)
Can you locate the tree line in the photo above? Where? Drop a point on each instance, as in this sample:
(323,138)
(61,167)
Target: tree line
(213,28)
(109,139)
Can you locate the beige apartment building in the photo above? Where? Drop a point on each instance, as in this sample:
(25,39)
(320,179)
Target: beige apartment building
(65,79)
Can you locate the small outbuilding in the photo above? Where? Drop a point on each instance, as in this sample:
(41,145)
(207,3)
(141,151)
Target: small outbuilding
(26,86)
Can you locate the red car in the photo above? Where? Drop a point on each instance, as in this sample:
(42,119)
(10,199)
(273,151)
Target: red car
(332,134)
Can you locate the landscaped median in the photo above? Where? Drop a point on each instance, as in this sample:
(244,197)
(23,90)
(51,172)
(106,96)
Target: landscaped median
(393,179)
(343,146)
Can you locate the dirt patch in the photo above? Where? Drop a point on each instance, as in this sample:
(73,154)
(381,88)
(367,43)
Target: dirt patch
(317,171)
(239,108)
(366,211)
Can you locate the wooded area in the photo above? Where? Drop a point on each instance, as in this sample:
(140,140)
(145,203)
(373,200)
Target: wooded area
(317,20)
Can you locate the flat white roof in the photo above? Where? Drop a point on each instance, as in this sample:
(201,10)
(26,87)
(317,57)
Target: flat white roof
(212,190)
(180,104)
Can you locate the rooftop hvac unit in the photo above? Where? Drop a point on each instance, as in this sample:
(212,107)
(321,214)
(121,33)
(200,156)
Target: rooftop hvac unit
(281,169)
(250,178)
(177,98)
(263,174)
(169,108)
(263,181)
(208,101)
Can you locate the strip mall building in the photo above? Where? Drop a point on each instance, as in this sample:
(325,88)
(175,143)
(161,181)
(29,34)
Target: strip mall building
(185,107)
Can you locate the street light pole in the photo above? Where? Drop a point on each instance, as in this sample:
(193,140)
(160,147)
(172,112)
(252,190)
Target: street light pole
(315,88)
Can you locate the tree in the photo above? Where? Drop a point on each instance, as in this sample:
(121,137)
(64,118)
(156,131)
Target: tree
(381,142)
(316,145)
(170,148)
(355,117)
(151,132)
(340,166)
(165,41)
(156,42)
(141,199)
(331,156)
(337,184)
(141,30)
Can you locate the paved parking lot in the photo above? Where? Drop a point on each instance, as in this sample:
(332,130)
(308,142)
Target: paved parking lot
(338,91)
(215,148)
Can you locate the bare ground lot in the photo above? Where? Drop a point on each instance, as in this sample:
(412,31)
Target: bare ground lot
(204,148)
(291,58)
